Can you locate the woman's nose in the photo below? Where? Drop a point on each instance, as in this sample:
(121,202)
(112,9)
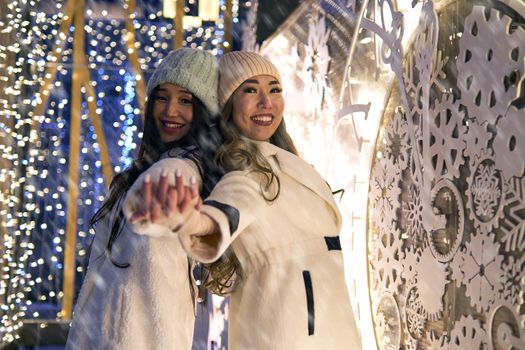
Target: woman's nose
(171,108)
(265,101)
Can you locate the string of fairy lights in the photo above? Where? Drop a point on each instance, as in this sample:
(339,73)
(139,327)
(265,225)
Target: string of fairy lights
(33,205)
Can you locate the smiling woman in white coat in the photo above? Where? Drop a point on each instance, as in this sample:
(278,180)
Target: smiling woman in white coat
(138,293)
(277,216)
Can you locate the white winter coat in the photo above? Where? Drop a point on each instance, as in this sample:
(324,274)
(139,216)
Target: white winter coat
(293,295)
(145,306)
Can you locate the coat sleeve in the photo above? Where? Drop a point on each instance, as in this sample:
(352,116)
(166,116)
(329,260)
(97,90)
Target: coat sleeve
(234,204)
(188,169)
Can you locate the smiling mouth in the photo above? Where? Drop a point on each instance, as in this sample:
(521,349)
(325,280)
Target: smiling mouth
(171,127)
(262,120)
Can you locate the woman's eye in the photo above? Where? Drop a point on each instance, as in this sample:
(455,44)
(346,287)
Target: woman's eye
(250,90)
(186,101)
(161,98)
(276,90)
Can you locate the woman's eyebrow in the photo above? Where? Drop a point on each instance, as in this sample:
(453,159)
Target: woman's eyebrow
(252,81)
(274,82)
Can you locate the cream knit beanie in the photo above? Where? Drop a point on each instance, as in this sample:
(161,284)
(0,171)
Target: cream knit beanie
(236,67)
(192,69)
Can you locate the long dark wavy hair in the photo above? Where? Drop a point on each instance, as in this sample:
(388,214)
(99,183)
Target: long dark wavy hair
(237,153)
(199,145)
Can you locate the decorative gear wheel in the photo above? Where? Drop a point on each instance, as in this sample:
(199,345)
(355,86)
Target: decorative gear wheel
(444,242)
(490,43)
(386,266)
(431,279)
(435,342)
(505,328)
(467,334)
(388,323)
(446,138)
(509,143)
(477,139)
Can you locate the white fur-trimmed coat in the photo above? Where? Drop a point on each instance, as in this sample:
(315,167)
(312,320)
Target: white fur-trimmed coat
(145,306)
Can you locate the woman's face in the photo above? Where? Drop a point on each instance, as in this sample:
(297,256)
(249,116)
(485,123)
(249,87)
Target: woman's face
(258,106)
(172,111)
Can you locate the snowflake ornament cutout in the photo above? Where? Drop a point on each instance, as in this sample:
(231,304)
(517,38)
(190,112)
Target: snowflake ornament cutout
(485,193)
(397,140)
(384,192)
(481,271)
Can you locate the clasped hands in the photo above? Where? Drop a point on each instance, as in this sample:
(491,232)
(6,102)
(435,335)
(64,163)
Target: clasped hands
(164,204)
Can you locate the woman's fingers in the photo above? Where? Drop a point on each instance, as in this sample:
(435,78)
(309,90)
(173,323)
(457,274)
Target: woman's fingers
(162,188)
(173,202)
(146,191)
(179,185)
(186,201)
(194,187)
(155,211)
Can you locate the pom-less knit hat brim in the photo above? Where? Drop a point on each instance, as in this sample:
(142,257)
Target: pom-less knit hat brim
(236,67)
(192,69)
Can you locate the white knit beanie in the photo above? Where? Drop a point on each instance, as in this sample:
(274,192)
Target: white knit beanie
(193,69)
(236,67)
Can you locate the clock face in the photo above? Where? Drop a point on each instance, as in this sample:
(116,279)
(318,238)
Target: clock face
(446,201)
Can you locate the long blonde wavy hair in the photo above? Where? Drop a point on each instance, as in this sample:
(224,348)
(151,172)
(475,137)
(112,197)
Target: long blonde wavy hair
(238,153)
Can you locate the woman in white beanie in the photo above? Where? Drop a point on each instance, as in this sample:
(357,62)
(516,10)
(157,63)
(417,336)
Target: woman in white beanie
(277,218)
(138,292)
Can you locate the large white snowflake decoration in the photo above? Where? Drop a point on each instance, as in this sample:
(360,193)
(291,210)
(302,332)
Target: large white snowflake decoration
(487,92)
(511,281)
(316,64)
(480,265)
(431,282)
(412,210)
(513,224)
(384,192)
(410,262)
(509,143)
(447,204)
(387,265)
(476,139)
(505,328)
(397,140)
(414,317)
(468,334)
(388,323)
(486,197)
(446,139)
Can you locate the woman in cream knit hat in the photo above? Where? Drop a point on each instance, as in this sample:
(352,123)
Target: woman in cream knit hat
(278,217)
(137,293)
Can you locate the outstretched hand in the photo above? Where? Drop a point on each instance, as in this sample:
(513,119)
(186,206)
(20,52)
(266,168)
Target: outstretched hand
(165,204)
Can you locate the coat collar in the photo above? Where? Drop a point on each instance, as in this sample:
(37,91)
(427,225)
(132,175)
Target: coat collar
(299,169)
